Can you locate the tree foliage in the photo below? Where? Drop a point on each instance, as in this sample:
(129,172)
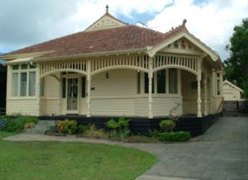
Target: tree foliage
(236,66)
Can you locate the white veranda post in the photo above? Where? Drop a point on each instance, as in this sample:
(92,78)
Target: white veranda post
(37,88)
(88,88)
(150,76)
(205,95)
(199,112)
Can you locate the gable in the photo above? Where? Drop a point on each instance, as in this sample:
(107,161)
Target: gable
(182,46)
(105,22)
(184,34)
(231,87)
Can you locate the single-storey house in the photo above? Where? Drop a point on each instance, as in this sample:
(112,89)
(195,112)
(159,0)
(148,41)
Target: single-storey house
(116,69)
(234,102)
(231,92)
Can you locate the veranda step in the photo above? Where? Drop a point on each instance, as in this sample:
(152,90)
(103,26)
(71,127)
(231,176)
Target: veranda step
(41,127)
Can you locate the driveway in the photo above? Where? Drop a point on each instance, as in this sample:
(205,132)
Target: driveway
(220,154)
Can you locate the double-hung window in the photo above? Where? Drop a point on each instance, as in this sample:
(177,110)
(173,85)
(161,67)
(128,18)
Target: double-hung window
(23,80)
(164,81)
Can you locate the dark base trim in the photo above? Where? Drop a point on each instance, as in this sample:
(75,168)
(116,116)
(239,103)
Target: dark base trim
(196,126)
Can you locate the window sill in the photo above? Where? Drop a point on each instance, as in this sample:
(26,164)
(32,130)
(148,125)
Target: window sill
(23,98)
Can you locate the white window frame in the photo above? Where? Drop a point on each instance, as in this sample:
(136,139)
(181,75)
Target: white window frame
(142,84)
(28,70)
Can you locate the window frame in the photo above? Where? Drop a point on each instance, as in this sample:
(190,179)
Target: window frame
(155,89)
(19,70)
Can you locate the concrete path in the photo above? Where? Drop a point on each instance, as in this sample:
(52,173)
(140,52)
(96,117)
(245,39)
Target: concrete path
(222,153)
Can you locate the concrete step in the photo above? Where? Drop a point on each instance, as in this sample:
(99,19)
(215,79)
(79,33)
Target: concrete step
(41,127)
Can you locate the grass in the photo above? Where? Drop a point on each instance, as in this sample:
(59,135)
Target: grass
(71,160)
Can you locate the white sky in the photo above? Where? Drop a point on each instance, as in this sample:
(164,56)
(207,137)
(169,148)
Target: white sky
(33,21)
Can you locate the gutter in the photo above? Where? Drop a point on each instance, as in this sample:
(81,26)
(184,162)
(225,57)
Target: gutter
(88,55)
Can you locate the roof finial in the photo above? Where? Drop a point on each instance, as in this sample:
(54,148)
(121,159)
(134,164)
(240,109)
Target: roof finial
(184,22)
(107,8)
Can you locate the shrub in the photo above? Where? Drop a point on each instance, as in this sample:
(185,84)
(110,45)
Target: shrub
(81,129)
(17,123)
(66,127)
(11,125)
(174,136)
(154,133)
(167,125)
(118,128)
(93,132)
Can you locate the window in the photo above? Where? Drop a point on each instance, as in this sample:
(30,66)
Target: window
(32,81)
(42,87)
(165,81)
(146,83)
(23,80)
(83,87)
(64,88)
(218,84)
(15,67)
(23,84)
(173,81)
(24,66)
(218,87)
(138,82)
(161,81)
(14,90)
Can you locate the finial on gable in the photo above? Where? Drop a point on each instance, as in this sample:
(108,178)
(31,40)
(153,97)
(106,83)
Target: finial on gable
(107,9)
(184,22)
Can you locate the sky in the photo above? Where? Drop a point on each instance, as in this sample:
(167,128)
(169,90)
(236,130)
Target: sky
(27,22)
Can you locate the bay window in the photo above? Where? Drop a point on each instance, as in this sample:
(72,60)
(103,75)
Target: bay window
(23,80)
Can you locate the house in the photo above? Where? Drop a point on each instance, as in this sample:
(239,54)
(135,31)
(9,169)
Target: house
(233,104)
(231,92)
(116,69)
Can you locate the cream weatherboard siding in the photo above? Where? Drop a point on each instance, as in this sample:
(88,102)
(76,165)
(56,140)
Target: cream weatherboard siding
(189,93)
(113,93)
(167,106)
(50,102)
(231,92)
(24,106)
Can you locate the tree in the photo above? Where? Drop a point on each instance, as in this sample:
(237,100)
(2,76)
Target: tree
(236,65)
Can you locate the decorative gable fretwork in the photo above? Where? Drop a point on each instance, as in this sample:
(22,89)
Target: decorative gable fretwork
(106,22)
(182,46)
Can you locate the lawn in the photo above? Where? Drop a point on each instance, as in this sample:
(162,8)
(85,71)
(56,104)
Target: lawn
(60,160)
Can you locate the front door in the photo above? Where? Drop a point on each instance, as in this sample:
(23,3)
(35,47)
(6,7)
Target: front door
(72,96)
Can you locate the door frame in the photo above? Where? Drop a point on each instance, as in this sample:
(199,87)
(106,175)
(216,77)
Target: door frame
(72,76)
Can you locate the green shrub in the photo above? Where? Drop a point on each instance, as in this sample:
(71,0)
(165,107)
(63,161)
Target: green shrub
(66,127)
(11,125)
(17,123)
(81,129)
(118,129)
(174,136)
(167,125)
(154,133)
(93,132)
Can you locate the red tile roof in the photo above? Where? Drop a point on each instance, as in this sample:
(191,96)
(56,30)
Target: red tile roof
(121,38)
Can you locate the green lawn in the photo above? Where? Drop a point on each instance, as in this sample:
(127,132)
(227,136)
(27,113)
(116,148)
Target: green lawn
(58,160)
